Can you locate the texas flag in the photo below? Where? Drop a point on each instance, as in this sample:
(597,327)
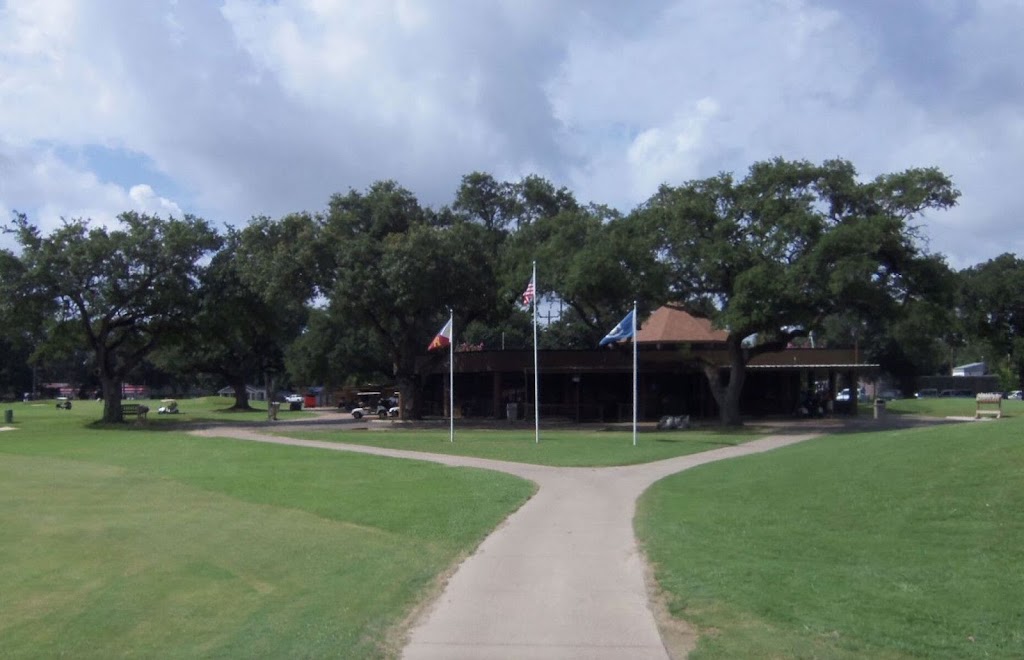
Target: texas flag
(443,338)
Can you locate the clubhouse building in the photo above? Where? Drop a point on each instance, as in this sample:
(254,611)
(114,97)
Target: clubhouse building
(596,385)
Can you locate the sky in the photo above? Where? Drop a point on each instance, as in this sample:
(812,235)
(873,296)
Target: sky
(229,109)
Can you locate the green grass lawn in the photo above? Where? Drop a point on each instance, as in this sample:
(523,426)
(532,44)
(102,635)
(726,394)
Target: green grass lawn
(902,544)
(204,409)
(122,541)
(946,407)
(132,543)
(556,447)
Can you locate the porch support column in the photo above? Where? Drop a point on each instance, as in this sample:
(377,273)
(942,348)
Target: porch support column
(851,381)
(496,402)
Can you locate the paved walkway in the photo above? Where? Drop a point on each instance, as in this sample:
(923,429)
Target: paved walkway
(562,577)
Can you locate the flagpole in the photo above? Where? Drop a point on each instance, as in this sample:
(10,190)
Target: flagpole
(536,372)
(634,374)
(451,378)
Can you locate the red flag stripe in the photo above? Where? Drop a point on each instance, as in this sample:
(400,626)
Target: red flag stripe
(529,294)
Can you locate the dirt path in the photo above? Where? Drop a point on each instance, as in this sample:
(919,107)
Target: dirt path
(562,577)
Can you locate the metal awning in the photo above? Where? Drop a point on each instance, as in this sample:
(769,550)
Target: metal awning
(859,365)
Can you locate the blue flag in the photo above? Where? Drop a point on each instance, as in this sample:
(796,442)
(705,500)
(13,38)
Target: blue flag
(624,330)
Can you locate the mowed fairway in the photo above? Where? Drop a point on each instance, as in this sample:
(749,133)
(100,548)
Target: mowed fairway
(894,544)
(951,406)
(902,544)
(121,542)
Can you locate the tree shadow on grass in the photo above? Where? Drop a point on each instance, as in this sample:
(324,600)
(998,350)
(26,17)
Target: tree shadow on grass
(184,421)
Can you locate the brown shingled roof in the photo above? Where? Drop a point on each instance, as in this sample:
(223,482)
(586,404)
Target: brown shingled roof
(672,325)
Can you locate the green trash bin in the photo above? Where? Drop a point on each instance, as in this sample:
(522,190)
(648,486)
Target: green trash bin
(8,417)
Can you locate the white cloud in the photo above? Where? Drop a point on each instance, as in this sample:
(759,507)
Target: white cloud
(669,153)
(145,200)
(57,83)
(267,107)
(59,191)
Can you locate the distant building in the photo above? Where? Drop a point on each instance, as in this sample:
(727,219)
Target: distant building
(129,391)
(966,380)
(972,369)
(57,389)
(252,392)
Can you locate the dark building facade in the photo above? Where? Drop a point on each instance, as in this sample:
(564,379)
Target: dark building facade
(596,385)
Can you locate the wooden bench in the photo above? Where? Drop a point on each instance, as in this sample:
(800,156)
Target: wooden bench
(137,410)
(988,403)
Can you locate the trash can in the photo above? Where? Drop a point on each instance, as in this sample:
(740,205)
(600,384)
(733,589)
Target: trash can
(512,411)
(310,401)
(8,417)
(294,405)
(879,408)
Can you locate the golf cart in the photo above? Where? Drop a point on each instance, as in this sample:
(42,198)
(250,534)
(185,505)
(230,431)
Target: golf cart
(63,403)
(371,403)
(169,407)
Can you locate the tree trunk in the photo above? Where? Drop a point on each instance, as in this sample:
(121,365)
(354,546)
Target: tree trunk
(268,389)
(410,385)
(727,396)
(729,414)
(241,394)
(409,397)
(111,399)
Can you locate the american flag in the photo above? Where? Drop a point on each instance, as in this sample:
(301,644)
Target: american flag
(529,294)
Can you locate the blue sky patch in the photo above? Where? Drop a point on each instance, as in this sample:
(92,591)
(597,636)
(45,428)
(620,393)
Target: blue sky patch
(122,167)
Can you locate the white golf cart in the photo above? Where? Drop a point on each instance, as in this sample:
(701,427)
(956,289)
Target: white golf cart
(371,403)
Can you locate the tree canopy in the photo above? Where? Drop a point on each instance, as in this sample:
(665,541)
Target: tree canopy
(354,293)
(396,268)
(991,299)
(119,291)
(251,306)
(770,257)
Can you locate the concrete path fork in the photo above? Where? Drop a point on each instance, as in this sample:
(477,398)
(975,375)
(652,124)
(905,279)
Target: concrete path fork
(562,577)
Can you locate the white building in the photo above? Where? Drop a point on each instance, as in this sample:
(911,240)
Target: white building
(972,369)
(254,393)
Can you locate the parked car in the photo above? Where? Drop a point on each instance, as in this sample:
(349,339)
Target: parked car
(844,395)
(927,392)
(1016,394)
(294,401)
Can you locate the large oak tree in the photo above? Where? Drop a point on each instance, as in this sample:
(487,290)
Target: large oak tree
(251,304)
(395,269)
(593,264)
(20,314)
(120,291)
(769,257)
(992,310)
